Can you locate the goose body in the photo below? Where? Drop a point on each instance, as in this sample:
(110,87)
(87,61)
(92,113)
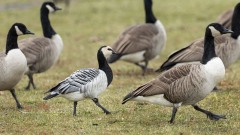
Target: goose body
(226,18)
(186,84)
(13,62)
(42,52)
(227,47)
(86,83)
(140,43)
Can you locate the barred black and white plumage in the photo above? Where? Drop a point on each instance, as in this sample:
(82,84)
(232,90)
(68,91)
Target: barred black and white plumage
(86,83)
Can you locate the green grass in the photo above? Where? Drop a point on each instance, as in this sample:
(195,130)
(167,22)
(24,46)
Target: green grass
(86,26)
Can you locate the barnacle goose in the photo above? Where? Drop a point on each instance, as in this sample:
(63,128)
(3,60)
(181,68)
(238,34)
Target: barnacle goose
(86,83)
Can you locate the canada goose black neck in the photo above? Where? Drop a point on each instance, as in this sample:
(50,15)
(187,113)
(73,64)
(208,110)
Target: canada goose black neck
(150,18)
(103,65)
(236,22)
(11,40)
(209,47)
(48,31)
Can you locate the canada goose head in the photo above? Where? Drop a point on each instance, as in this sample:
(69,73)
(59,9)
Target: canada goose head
(107,51)
(217,29)
(50,7)
(20,29)
(16,30)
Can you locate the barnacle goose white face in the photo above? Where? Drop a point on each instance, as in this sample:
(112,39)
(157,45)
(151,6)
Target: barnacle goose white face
(50,8)
(107,51)
(214,31)
(18,31)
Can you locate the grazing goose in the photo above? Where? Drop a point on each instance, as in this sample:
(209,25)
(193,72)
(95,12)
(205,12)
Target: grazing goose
(140,43)
(13,63)
(86,83)
(187,84)
(42,52)
(226,19)
(227,47)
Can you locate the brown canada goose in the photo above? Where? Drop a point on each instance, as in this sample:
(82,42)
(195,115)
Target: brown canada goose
(86,83)
(227,47)
(141,43)
(42,52)
(13,63)
(226,18)
(187,84)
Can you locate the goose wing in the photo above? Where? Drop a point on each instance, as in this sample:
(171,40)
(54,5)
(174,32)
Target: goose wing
(76,81)
(33,48)
(226,18)
(136,38)
(193,52)
(169,83)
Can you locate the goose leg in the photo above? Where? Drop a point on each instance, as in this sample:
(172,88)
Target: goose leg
(74,108)
(15,97)
(143,67)
(95,100)
(174,111)
(209,114)
(30,77)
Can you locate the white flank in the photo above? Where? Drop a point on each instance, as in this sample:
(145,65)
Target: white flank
(18,31)
(215,69)
(134,57)
(156,99)
(13,68)
(161,28)
(59,43)
(50,9)
(74,96)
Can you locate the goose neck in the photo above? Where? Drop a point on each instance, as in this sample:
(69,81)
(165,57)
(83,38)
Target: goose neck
(209,47)
(150,18)
(11,41)
(48,31)
(103,65)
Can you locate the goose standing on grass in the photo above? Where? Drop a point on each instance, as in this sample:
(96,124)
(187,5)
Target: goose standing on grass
(227,47)
(187,84)
(42,52)
(141,43)
(13,63)
(86,83)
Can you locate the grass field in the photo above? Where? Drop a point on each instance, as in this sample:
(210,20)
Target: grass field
(84,27)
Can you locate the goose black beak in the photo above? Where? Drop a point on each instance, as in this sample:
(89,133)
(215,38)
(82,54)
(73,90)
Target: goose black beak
(225,31)
(57,8)
(29,32)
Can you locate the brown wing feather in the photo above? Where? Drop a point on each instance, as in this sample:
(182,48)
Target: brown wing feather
(194,52)
(178,84)
(226,19)
(32,48)
(136,38)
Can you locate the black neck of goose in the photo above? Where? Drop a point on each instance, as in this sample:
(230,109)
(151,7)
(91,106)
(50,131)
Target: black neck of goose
(150,18)
(48,31)
(103,65)
(209,47)
(11,40)
(236,22)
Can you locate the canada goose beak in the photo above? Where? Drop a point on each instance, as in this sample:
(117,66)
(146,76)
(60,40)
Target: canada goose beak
(57,8)
(29,32)
(113,52)
(225,31)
